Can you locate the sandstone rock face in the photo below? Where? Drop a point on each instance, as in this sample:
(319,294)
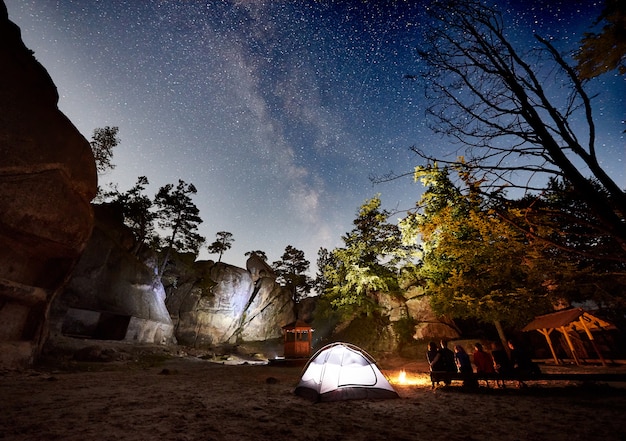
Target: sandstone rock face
(47,180)
(271,307)
(306,309)
(429,326)
(384,334)
(258,268)
(393,306)
(216,303)
(113,294)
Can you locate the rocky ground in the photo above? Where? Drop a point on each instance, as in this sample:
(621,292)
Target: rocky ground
(125,392)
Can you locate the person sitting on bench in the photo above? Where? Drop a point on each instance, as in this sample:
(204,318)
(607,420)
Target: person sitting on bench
(521,361)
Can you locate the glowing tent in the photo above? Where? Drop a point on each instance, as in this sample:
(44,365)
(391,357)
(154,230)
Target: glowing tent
(341,371)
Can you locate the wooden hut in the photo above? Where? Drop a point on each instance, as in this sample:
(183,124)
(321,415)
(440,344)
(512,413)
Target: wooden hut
(569,322)
(298,337)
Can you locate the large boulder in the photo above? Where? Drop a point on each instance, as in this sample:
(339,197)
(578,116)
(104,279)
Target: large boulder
(258,268)
(400,319)
(114,294)
(47,180)
(429,326)
(270,308)
(214,304)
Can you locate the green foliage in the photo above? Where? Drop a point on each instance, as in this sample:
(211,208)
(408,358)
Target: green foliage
(404,329)
(475,264)
(224,241)
(291,272)
(369,262)
(372,332)
(325,314)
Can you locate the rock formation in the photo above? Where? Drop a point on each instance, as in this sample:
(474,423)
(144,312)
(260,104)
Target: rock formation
(429,326)
(216,303)
(258,268)
(401,317)
(112,293)
(47,180)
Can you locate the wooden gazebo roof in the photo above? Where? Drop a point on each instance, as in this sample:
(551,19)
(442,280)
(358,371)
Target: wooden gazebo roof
(297,325)
(572,319)
(566,321)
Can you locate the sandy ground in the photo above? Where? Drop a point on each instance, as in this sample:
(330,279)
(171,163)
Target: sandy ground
(187,398)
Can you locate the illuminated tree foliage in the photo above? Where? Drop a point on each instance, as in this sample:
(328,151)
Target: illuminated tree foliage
(291,272)
(178,215)
(224,241)
(367,263)
(474,264)
(604,51)
(517,133)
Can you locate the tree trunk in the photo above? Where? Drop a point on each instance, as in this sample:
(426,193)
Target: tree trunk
(502,336)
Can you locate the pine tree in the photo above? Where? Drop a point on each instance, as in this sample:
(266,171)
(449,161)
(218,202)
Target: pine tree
(178,215)
(224,241)
(291,272)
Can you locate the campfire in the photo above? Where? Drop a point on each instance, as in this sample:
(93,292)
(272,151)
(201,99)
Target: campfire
(402,378)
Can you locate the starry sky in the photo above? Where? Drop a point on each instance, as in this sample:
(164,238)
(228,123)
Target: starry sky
(279,112)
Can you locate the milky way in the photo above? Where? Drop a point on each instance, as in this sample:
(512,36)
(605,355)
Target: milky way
(278,112)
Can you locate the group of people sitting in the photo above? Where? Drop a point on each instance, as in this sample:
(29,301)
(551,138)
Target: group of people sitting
(444,360)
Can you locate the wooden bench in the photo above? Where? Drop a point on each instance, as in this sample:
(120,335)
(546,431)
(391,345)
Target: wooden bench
(448,377)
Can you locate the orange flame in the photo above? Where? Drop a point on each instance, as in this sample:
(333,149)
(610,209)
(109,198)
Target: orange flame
(402,377)
(405,379)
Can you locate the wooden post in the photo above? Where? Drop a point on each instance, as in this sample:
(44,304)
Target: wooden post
(593,342)
(571,346)
(546,332)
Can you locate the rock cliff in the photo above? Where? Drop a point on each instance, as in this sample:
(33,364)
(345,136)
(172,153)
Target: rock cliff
(216,303)
(47,180)
(115,295)
(112,293)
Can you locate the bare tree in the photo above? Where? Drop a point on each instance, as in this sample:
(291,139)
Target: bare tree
(514,132)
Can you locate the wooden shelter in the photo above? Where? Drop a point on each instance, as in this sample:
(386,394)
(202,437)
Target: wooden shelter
(298,337)
(567,322)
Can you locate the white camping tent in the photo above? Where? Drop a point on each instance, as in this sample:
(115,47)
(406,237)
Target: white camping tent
(341,371)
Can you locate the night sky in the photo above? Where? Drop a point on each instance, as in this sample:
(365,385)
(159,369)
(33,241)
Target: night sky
(277,111)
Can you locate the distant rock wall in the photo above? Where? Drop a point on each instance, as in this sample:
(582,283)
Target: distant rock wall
(429,325)
(401,317)
(216,303)
(113,294)
(47,180)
